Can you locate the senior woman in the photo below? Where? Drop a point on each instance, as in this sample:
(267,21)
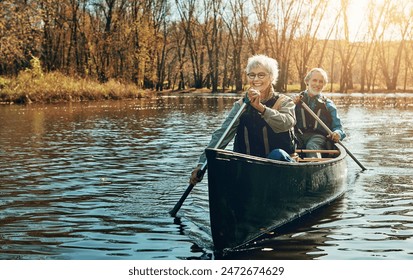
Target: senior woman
(266,127)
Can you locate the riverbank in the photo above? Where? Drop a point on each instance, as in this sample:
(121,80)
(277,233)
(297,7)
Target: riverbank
(35,87)
(55,87)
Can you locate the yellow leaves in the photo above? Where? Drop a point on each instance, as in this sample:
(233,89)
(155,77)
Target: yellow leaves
(36,68)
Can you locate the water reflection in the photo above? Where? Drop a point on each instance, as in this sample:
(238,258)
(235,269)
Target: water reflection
(96,181)
(375,101)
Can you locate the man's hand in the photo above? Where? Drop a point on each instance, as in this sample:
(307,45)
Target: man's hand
(335,137)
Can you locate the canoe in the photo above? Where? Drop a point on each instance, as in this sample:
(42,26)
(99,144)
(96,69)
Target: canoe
(252,196)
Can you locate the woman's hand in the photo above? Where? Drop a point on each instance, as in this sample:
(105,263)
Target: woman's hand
(194,179)
(255,99)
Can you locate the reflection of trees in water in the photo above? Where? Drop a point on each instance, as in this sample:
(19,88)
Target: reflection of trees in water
(219,102)
(190,103)
(400,101)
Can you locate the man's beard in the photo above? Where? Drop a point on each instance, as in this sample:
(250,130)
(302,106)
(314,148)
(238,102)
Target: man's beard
(313,92)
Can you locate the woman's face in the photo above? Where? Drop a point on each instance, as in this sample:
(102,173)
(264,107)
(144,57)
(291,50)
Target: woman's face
(259,78)
(316,83)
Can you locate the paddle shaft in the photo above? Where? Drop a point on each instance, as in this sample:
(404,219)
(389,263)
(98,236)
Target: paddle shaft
(203,169)
(330,132)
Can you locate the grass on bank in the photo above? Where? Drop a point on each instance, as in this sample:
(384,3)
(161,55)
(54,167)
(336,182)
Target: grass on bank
(54,87)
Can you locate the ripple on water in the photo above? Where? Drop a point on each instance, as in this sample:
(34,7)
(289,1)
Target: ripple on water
(96,181)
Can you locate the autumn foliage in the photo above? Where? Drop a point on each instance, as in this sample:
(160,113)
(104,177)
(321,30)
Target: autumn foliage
(177,44)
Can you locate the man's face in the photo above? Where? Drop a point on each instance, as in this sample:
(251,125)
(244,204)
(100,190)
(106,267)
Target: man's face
(316,83)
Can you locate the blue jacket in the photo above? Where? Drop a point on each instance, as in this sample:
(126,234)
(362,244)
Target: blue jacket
(325,109)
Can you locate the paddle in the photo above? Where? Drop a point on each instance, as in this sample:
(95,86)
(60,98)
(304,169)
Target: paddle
(330,132)
(201,172)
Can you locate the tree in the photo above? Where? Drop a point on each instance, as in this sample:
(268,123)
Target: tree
(212,31)
(347,52)
(20,35)
(394,47)
(188,13)
(159,18)
(205,43)
(180,48)
(276,38)
(307,41)
(375,15)
(236,23)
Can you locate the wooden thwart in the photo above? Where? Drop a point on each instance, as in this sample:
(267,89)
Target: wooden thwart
(317,151)
(298,151)
(313,159)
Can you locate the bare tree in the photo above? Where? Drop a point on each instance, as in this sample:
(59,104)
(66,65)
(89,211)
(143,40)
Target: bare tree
(212,31)
(278,22)
(347,51)
(308,35)
(102,36)
(375,16)
(52,35)
(389,48)
(180,48)
(236,22)
(159,20)
(188,13)
(408,65)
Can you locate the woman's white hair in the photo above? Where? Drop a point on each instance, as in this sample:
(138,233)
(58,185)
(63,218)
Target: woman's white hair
(319,70)
(270,64)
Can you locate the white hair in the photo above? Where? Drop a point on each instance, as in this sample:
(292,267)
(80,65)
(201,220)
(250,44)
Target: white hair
(319,70)
(270,64)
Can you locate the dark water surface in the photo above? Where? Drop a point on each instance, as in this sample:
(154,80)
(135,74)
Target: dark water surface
(96,181)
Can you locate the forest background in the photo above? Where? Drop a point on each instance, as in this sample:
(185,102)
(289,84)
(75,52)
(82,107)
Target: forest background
(75,48)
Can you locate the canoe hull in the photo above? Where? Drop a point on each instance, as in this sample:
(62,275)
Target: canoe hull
(250,196)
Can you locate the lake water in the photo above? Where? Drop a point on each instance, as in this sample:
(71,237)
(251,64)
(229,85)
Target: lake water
(96,181)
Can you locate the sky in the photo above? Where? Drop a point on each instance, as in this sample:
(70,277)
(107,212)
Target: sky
(356,15)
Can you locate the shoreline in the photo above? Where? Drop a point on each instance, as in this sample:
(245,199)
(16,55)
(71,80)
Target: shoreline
(53,99)
(52,88)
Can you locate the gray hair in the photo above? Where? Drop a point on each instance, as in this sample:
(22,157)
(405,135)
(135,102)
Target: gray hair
(319,70)
(270,64)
